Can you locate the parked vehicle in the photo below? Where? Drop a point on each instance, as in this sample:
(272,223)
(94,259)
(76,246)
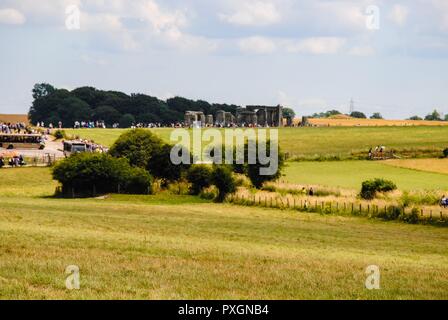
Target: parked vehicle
(21,141)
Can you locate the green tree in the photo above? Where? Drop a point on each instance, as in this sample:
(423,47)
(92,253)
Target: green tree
(126,120)
(42,90)
(288,113)
(73,109)
(254,172)
(92,173)
(108,114)
(358,114)
(161,166)
(415,118)
(370,188)
(200,177)
(138,146)
(434,116)
(376,115)
(326,114)
(222,178)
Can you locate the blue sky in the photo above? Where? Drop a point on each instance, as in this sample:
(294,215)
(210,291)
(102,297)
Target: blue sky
(389,56)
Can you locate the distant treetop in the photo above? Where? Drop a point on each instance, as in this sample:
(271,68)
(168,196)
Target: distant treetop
(52,105)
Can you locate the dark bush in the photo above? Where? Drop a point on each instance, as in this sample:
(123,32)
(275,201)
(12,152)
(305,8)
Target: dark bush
(371,187)
(200,177)
(358,115)
(137,181)
(391,213)
(412,218)
(161,166)
(127,120)
(222,178)
(254,170)
(59,134)
(138,146)
(445,153)
(90,174)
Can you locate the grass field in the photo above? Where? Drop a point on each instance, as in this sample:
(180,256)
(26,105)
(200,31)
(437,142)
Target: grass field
(431,165)
(330,141)
(350,174)
(177,247)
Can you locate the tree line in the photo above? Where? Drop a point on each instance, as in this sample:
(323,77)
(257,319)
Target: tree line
(433,116)
(53,105)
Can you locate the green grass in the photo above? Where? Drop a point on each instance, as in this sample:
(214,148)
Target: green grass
(328,141)
(350,175)
(169,247)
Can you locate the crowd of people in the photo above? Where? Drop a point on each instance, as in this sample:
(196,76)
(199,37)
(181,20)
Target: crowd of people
(377,152)
(14,161)
(89,124)
(151,125)
(9,128)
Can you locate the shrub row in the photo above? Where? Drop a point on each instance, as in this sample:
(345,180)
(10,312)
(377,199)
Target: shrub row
(91,174)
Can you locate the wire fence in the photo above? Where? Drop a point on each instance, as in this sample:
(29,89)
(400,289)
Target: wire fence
(432,215)
(41,160)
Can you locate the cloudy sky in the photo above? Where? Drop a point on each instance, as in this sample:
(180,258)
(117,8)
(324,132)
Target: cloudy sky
(389,56)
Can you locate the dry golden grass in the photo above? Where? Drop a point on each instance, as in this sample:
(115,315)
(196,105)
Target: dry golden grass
(14,118)
(430,165)
(373,122)
(340,205)
(177,247)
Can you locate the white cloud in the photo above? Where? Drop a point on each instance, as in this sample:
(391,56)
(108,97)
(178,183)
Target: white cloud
(11,16)
(257,45)
(339,15)
(318,45)
(363,51)
(253,13)
(161,21)
(399,15)
(44,11)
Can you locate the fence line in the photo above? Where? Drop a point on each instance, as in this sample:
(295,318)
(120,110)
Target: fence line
(356,208)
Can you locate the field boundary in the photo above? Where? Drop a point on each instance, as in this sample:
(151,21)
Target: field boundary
(413,215)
